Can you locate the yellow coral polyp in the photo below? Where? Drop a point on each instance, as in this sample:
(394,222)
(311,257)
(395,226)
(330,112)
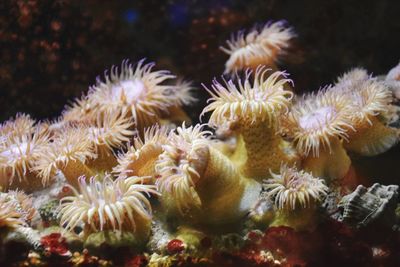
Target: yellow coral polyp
(260,46)
(253,109)
(140,90)
(22,124)
(121,204)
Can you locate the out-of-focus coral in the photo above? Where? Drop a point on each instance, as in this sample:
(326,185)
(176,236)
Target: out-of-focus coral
(15,209)
(264,45)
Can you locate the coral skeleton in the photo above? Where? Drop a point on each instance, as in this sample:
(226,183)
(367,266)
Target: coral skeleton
(110,204)
(263,45)
(253,108)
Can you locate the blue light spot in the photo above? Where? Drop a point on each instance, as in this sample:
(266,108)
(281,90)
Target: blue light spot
(178,15)
(131,16)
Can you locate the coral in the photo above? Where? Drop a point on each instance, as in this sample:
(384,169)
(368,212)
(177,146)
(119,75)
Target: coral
(140,90)
(21,147)
(253,108)
(367,205)
(317,124)
(199,182)
(260,46)
(119,204)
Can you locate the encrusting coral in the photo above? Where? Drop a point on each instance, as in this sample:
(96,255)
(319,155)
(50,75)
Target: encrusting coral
(109,205)
(317,124)
(263,45)
(253,108)
(296,195)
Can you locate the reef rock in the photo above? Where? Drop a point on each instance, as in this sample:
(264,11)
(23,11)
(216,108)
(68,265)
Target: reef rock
(366,205)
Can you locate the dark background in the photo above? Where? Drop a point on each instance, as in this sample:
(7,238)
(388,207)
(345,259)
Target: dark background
(51,51)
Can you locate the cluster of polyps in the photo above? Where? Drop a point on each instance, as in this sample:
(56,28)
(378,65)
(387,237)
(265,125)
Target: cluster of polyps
(296,145)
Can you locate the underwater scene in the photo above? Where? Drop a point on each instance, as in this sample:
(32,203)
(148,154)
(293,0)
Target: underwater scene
(199,133)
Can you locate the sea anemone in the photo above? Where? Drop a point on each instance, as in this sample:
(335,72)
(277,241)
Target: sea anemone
(180,163)
(296,194)
(69,152)
(108,131)
(140,90)
(108,205)
(260,46)
(293,189)
(198,182)
(253,110)
(317,124)
(141,156)
(371,100)
(20,149)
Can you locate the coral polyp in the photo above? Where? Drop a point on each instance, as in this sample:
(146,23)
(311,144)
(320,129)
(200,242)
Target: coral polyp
(293,188)
(260,46)
(253,108)
(108,204)
(23,123)
(140,90)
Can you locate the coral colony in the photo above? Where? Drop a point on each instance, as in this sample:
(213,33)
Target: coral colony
(123,171)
